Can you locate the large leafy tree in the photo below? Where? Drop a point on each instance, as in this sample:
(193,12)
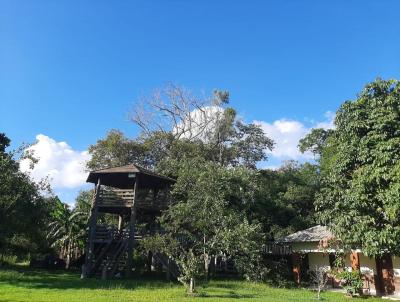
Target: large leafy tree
(24,211)
(360,166)
(66,231)
(213,155)
(205,221)
(175,126)
(116,150)
(285,199)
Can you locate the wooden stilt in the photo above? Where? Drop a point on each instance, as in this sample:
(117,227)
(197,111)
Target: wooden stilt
(120,223)
(132,221)
(92,232)
(149,261)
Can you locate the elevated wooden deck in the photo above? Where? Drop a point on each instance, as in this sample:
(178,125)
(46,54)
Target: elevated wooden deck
(137,196)
(118,200)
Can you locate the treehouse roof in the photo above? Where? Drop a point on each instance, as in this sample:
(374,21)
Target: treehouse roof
(124,177)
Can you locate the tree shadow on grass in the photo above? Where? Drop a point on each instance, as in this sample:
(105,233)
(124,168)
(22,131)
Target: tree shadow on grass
(61,279)
(222,285)
(30,278)
(227,295)
(220,289)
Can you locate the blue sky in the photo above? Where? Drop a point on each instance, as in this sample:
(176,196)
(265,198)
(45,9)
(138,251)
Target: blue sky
(71,70)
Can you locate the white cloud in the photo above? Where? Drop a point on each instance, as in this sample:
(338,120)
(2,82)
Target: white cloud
(328,123)
(200,123)
(287,133)
(58,161)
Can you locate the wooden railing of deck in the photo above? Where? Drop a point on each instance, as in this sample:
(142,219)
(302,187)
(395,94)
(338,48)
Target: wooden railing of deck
(277,249)
(115,198)
(124,198)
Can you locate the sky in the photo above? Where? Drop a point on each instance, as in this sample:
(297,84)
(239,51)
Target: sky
(72,70)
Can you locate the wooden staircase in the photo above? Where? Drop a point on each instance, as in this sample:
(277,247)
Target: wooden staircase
(110,253)
(170,266)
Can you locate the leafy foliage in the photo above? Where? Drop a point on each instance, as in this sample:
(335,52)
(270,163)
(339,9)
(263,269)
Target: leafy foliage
(116,150)
(205,222)
(352,281)
(210,131)
(315,141)
(24,211)
(360,165)
(285,199)
(67,230)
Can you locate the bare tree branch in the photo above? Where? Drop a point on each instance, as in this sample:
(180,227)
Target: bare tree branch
(176,110)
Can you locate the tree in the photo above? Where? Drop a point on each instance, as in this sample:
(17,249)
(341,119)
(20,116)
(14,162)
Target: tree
(213,155)
(67,230)
(315,141)
(177,125)
(205,215)
(24,211)
(116,150)
(360,171)
(284,202)
(176,115)
(319,277)
(83,201)
(177,111)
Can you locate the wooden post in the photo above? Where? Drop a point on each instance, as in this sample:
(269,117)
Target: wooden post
(149,261)
(355,261)
(168,269)
(384,279)
(132,222)
(120,223)
(296,260)
(92,231)
(388,274)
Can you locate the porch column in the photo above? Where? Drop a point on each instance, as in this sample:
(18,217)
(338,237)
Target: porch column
(355,261)
(296,262)
(384,282)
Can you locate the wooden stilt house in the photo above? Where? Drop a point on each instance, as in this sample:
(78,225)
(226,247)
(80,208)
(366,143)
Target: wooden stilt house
(136,196)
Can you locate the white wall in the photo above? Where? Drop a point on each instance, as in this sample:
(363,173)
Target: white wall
(305,247)
(396,265)
(318,260)
(367,264)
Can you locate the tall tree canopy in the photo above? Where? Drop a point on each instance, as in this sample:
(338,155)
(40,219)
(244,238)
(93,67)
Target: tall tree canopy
(24,211)
(213,155)
(284,201)
(360,167)
(207,213)
(177,125)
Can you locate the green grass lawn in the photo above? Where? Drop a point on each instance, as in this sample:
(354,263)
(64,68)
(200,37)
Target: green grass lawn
(23,284)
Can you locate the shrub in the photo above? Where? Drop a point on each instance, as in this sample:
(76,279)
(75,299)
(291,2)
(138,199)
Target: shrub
(278,273)
(7,259)
(352,281)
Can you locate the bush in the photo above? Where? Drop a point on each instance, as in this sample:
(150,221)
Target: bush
(7,259)
(352,281)
(278,273)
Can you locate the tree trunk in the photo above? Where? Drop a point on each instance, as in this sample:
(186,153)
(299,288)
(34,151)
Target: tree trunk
(68,260)
(207,260)
(149,261)
(192,286)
